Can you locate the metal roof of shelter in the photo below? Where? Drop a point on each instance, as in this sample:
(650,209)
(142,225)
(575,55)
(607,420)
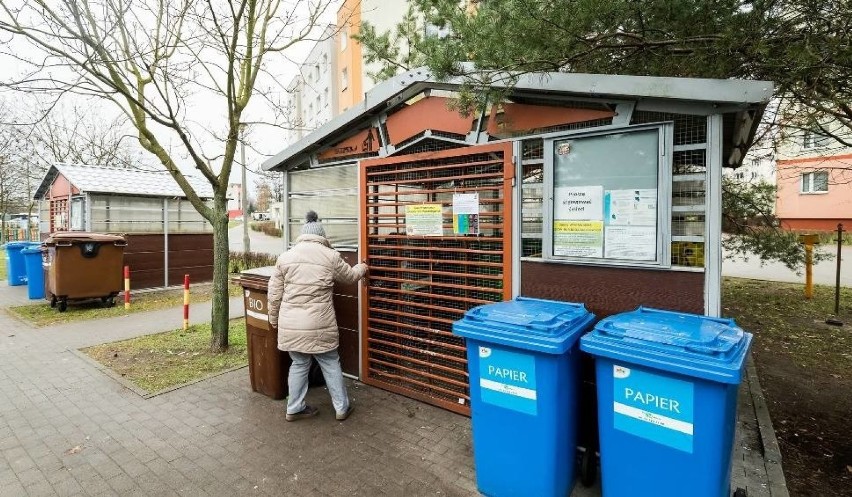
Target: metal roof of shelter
(742,102)
(121,181)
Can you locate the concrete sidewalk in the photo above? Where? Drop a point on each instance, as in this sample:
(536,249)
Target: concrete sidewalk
(68,429)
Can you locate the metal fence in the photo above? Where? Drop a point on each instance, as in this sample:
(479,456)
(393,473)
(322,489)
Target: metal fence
(420,285)
(11,234)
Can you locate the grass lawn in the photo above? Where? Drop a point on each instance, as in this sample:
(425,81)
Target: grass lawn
(43,315)
(233,223)
(3,273)
(164,360)
(805,369)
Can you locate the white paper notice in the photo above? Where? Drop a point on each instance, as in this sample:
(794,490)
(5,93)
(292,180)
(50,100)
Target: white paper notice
(638,243)
(631,207)
(465,203)
(466,213)
(578,203)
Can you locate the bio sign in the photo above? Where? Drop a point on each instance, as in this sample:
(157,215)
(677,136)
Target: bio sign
(655,407)
(507,379)
(256,312)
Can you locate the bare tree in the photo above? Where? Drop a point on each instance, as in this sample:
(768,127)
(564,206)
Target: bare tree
(168,65)
(81,136)
(16,169)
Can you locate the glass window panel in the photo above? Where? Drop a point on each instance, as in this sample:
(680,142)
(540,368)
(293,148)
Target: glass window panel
(330,178)
(605,196)
(77,214)
(338,234)
(328,207)
(820,181)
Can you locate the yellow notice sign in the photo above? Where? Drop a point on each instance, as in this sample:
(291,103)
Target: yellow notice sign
(424,220)
(578,238)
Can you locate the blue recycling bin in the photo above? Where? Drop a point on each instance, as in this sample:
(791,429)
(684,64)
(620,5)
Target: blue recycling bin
(667,402)
(15,269)
(523,367)
(35,272)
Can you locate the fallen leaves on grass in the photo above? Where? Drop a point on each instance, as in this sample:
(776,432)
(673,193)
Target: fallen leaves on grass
(164,360)
(803,366)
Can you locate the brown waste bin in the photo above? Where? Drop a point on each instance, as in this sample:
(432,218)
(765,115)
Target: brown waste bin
(84,266)
(268,366)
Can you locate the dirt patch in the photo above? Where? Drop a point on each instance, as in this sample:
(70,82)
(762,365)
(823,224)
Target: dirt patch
(805,368)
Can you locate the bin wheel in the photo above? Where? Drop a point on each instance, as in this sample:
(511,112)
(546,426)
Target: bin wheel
(63,305)
(588,469)
(741,492)
(53,301)
(108,301)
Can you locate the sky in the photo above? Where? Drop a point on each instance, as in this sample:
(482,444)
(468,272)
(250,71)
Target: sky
(202,111)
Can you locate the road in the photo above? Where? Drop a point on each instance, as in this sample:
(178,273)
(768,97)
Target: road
(824,272)
(259,242)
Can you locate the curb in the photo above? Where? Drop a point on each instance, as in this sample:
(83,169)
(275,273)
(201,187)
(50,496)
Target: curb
(771,450)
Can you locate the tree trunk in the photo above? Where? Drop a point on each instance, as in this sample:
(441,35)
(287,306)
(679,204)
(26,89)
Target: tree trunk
(219,321)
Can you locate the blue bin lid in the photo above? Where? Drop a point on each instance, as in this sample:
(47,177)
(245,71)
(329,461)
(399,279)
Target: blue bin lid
(31,250)
(15,245)
(538,325)
(688,344)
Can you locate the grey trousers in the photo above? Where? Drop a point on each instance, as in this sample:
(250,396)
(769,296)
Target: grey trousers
(297,380)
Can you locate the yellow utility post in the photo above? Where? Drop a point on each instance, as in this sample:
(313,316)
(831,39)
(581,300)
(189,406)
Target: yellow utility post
(809,241)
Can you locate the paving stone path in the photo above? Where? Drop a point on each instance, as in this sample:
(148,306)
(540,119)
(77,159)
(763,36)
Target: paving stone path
(68,429)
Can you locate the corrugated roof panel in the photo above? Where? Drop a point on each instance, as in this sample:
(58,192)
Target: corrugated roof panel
(120,181)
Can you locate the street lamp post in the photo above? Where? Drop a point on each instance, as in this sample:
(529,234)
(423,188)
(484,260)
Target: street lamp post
(244,197)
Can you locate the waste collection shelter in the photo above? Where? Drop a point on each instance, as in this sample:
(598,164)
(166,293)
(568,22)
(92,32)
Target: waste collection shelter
(602,190)
(166,237)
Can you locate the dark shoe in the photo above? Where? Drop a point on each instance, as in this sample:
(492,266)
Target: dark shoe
(307,412)
(341,416)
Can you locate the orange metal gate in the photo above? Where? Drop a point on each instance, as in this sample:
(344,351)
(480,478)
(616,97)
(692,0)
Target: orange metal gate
(420,285)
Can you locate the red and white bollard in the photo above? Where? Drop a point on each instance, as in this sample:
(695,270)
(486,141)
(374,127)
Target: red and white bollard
(185,302)
(126,287)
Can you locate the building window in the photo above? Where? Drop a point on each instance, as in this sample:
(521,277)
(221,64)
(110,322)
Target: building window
(815,138)
(344,38)
(317,72)
(319,104)
(815,182)
(344,79)
(324,63)
(325,97)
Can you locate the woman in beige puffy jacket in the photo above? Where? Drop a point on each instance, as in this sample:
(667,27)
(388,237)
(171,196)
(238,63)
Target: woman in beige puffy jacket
(300,307)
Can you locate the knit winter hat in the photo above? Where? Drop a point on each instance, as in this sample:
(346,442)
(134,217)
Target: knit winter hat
(312,225)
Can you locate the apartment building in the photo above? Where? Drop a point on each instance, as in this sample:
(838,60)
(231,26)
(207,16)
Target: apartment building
(758,167)
(312,94)
(353,73)
(814,175)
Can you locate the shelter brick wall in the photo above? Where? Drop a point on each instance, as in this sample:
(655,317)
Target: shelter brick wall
(610,290)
